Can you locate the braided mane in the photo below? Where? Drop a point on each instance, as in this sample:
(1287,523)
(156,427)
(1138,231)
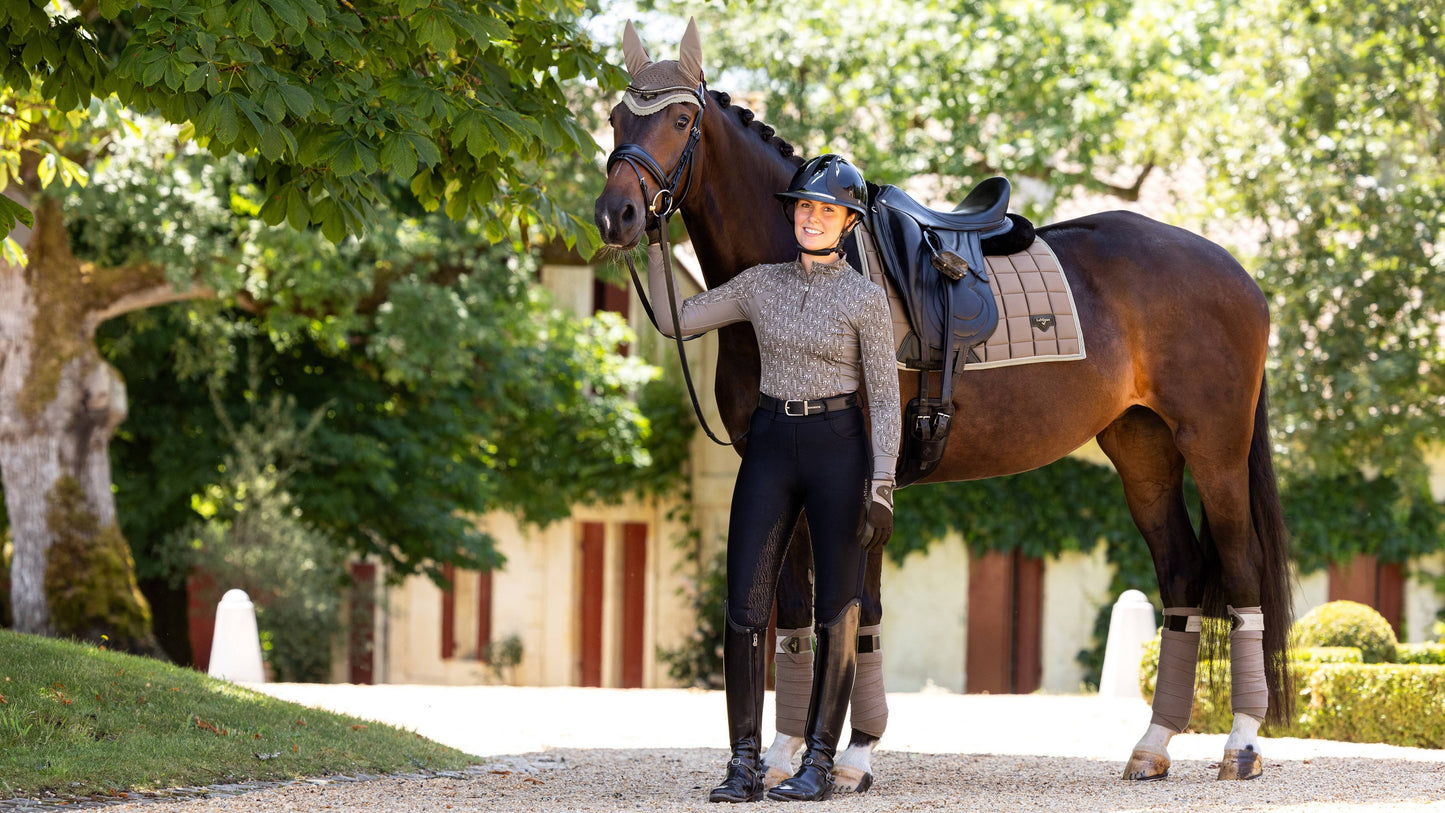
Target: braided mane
(749,120)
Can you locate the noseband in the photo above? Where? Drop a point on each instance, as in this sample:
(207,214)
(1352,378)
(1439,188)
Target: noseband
(668,199)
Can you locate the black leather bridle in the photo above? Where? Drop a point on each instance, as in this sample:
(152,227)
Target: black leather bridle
(662,206)
(667,200)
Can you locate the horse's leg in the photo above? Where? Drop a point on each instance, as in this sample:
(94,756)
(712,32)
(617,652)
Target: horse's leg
(1152,469)
(853,772)
(1223,478)
(793,684)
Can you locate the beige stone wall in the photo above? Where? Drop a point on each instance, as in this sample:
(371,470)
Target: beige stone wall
(535,597)
(925,618)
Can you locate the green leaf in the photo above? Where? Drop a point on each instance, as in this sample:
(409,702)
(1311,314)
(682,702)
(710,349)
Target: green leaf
(228,125)
(298,214)
(261,23)
(196,78)
(273,146)
(289,14)
(478,137)
(432,28)
(399,156)
(297,100)
(426,149)
(10,212)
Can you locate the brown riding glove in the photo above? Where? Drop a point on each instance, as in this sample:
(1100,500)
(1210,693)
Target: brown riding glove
(877,525)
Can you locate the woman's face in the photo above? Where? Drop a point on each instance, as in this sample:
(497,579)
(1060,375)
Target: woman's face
(817,224)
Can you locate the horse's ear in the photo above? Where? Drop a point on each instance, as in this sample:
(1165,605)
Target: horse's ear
(690,57)
(633,51)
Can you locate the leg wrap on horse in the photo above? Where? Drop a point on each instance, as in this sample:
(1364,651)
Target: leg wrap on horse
(1178,657)
(794,679)
(1249,694)
(869,704)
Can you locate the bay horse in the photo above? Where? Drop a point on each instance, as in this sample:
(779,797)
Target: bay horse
(1177,332)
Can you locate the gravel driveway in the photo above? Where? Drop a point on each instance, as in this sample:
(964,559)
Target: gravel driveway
(571,749)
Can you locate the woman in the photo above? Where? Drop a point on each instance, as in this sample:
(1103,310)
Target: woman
(823,331)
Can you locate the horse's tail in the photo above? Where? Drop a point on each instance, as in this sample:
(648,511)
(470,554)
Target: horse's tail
(1276,600)
(1275,583)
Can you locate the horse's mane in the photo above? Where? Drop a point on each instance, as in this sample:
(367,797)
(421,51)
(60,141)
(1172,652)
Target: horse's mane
(749,120)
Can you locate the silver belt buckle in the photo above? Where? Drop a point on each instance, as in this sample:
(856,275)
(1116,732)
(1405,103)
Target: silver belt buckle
(788,409)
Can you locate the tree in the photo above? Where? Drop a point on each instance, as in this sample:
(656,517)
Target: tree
(1077,96)
(1329,136)
(456,102)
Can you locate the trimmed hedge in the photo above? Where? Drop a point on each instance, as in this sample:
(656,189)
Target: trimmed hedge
(1427,653)
(1401,704)
(1328,654)
(1339,698)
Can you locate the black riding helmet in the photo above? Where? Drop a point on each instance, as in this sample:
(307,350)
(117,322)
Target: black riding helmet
(831,179)
(828,178)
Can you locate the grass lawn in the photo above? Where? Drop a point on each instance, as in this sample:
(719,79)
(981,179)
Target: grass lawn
(76,720)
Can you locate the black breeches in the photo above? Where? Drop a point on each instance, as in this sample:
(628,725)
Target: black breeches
(818,463)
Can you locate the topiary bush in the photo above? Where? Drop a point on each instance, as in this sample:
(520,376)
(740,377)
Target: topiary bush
(1346,623)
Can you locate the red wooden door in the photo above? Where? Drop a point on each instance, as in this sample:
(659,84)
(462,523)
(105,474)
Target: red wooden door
(634,602)
(362,639)
(589,608)
(1367,581)
(1005,609)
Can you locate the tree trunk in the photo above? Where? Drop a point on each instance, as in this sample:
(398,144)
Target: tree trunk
(60,404)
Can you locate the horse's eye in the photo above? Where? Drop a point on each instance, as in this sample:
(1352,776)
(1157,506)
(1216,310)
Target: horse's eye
(682,122)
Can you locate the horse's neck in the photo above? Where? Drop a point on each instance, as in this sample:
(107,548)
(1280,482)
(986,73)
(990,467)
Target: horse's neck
(731,215)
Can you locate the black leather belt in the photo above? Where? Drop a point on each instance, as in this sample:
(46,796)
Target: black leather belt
(798,408)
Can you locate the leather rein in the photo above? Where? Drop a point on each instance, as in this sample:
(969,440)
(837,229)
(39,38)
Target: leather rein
(663,205)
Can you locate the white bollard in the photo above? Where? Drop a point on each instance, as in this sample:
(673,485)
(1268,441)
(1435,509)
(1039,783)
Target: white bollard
(1131,626)
(236,645)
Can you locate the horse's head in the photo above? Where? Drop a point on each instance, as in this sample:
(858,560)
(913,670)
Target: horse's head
(655,129)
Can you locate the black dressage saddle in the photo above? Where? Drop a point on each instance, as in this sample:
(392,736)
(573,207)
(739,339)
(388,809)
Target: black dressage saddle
(936,262)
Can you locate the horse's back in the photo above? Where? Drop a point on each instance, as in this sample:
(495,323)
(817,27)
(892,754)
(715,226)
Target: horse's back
(1121,252)
(1170,322)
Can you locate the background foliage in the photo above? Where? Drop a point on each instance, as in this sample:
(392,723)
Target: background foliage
(1311,140)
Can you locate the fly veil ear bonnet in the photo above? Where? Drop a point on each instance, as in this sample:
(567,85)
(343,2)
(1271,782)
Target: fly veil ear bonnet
(655,85)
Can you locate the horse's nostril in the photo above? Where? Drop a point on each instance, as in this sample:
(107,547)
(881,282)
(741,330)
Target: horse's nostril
(628,214)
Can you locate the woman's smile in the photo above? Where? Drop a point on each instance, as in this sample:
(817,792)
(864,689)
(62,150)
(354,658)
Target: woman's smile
(818,224)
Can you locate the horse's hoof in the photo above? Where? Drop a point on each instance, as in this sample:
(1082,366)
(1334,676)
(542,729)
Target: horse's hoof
(852,780)
(774,776)
(1241,763)
(1145,765)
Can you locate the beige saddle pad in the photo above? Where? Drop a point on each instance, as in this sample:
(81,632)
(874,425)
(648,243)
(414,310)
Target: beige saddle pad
(1037,320)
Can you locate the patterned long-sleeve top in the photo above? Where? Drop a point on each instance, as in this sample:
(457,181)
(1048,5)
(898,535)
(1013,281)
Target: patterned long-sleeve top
(820,334)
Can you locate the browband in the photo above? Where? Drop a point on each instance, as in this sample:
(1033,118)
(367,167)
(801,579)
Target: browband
(645,102)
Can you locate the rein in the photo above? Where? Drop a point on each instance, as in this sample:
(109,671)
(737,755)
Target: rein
(660,208)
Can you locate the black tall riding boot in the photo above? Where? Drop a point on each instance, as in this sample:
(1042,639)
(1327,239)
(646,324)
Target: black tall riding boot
(743,664)
(834,666)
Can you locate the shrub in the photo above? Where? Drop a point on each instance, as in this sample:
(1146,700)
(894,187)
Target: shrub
(1427,653)
(1328,654)
(1401,704)
(1346,623)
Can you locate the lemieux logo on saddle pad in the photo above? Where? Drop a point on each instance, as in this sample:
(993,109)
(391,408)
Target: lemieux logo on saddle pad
(1043,323)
